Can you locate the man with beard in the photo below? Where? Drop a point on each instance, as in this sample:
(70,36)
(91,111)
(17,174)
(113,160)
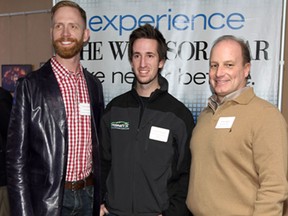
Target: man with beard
(52,149)
(145,134)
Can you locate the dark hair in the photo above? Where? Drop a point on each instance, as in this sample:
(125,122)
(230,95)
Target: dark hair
(244,47)
(72,4)
(149,32)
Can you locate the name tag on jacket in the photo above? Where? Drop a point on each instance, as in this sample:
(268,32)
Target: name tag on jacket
(159,134)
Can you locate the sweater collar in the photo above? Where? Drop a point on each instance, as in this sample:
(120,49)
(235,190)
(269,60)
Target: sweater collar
(241,96)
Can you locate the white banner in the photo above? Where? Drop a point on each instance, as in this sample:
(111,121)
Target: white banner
(190,27)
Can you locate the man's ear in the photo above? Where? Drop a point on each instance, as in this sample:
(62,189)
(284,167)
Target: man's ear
(247,68)
(86,37)
(161,63)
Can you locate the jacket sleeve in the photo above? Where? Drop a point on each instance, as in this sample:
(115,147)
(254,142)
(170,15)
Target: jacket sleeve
(270,159)
(178,185)
(17,143)
(105,152)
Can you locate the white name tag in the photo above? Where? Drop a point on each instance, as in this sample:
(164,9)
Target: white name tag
(225,122)
(159,134)
(84,109)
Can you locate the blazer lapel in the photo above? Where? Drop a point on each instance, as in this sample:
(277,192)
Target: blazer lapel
(52,94)
(96,98)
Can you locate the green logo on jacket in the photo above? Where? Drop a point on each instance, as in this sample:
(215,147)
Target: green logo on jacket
(120,125)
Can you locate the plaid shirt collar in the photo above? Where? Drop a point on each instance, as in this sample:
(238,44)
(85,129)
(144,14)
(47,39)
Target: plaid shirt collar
(63,72)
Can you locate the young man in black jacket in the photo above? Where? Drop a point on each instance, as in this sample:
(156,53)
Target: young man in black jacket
(145,139)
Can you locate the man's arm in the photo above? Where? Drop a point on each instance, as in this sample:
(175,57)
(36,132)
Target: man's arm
(270,158)
(178,186)
(105,151)
(16,155)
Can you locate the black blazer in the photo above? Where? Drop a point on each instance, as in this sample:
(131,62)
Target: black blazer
(38,142)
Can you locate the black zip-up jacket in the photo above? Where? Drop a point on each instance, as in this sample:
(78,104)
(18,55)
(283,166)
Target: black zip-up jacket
(145,157)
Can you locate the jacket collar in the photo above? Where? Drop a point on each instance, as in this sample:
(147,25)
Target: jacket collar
(163,87)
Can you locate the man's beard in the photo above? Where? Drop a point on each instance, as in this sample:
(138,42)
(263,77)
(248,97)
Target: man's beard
(67,52)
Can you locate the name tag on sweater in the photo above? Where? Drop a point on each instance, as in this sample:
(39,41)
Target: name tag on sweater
(159,134)
(225,122)
(84,109)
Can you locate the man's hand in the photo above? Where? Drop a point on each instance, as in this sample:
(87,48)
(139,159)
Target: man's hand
(103,210)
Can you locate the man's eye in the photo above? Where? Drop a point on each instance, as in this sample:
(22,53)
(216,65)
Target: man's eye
(212,66)
(57,26)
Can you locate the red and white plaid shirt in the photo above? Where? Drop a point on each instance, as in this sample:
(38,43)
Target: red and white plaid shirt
(75,95)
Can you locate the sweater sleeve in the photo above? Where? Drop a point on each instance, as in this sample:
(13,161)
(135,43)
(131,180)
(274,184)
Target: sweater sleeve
(270,159)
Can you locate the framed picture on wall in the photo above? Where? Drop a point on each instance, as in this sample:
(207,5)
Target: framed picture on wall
(12,72)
